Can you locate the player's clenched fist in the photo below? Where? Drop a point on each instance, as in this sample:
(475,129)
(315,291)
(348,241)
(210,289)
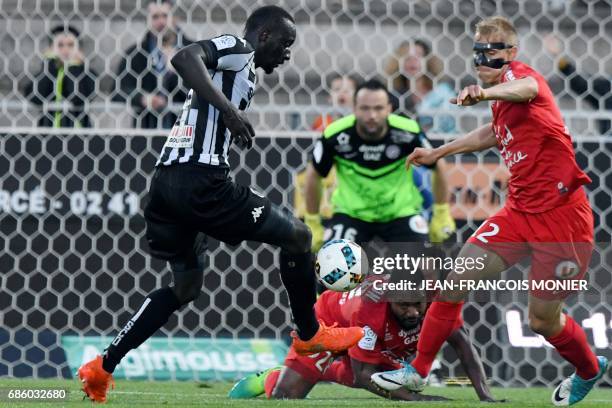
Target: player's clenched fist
(421,156)
(470,95)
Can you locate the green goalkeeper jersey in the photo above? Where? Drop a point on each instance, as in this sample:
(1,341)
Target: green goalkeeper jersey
(373,184)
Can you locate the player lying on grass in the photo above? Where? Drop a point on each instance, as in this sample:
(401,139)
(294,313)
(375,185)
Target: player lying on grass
(547,216)
(392,330)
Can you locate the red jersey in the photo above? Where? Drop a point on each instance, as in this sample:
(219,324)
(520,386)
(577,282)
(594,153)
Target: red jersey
(385,342)
(536,147)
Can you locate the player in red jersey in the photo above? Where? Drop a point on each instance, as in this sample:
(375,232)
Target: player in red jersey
(392,330)
(547,215)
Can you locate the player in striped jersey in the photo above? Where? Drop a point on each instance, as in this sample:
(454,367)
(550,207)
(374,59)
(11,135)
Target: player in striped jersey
(192,195)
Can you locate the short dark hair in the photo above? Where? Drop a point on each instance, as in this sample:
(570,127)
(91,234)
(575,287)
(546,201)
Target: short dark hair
(266,16)
(336,75)
(168,2)
(372,85)
(423,44)
(64,28)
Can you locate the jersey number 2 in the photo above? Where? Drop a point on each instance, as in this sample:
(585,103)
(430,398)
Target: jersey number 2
(483,235)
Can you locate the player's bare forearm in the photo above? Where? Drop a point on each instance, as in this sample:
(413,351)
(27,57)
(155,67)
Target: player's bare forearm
(312,190)
(440,183)
(362,373)
(471,363)
(479,139)
(189,63)
(519,90)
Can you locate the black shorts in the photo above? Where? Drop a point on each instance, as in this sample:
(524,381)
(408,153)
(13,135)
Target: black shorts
(186,199)
(406,229)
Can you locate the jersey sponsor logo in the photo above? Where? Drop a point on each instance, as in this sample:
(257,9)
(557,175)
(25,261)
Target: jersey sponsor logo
(372,153)
(566,270)
(562,188)
(368,341)
(256,213)
(401,137)
(223,42)
(392,152)
(410,336)
(505,140)
(512,158)
(418,224)
(181,137)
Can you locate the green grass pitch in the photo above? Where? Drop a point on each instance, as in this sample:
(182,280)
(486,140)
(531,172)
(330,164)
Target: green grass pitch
(131,394)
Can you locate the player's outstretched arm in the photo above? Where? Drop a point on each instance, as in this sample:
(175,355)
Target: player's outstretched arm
(190,63)
(519,90)
(471,363)
(362,373)
(478,139)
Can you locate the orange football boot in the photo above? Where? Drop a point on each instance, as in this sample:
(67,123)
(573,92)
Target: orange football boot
(95,379)
(328,338)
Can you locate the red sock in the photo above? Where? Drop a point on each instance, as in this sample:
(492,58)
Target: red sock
(270,382)
(440,321)
(572,344)
(339,372)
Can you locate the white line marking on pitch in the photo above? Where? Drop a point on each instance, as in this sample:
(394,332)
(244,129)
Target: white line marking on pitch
(165,393)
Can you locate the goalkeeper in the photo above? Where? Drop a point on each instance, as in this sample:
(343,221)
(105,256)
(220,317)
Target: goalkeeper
(375,194)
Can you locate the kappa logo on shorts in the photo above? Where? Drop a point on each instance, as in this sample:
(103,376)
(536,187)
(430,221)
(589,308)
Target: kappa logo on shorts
(256,213)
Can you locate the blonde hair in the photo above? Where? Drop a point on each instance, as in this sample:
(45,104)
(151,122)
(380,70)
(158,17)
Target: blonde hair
(500,26)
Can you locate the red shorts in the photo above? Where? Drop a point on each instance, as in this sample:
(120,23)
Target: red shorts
(311,367)
(325,366)
(559,241)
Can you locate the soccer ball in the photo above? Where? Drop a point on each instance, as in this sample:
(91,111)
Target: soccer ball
(341,265)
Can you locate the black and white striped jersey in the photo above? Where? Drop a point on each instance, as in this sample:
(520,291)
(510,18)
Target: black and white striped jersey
(199,135)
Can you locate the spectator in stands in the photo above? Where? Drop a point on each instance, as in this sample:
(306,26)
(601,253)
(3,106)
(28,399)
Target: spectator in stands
(595,90)
(417,85)
(145,77)
(406,63)
(64,84)
(429,99)
(340,100)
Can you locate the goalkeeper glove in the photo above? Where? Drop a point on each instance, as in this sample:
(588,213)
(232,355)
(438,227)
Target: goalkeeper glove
(313,221)
(442,224)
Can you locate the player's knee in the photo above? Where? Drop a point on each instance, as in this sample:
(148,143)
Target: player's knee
(542,326)
(188,279)
(283,392)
